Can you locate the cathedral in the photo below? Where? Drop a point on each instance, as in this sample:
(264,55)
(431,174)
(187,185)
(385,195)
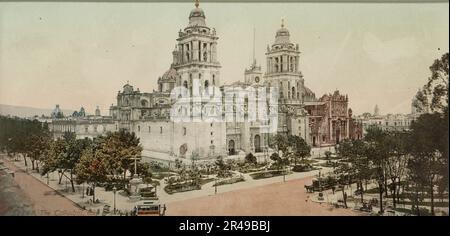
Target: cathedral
(195,69)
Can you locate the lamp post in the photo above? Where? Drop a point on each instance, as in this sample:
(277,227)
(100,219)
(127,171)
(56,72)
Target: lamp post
(215,186)
(82,191)
(114,191)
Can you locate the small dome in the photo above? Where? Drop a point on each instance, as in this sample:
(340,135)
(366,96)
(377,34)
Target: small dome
(197,12)
(197,17)
(170,75)
(282,36)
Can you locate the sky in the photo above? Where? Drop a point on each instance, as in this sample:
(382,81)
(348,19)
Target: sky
(81,54)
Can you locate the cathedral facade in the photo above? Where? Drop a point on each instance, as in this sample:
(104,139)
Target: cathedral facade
(195,69)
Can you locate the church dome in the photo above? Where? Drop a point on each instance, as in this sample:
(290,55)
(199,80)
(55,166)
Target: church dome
(197,17)
(282,36)
(170,75)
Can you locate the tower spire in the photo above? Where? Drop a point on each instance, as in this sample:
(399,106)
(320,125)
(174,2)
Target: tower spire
(197,2)
(254,58)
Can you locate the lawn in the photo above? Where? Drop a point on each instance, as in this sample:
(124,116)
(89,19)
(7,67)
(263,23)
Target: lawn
(268,174)
(230,181)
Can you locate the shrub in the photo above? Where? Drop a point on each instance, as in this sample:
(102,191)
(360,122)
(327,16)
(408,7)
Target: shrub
(250,158)
(302,168)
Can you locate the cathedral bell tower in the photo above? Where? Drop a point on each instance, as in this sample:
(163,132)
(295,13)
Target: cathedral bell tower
(282,67)
(195,56)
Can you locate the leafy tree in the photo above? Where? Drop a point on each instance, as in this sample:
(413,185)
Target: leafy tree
(121,148)
(280,162)
(64,156)
(377,153)
(300,149)
(428,156)
(92,168)
(223,168)
(434,94)
(396,162)
(38,146)
(343,171)
(250,158)
(280,143)
(53,156)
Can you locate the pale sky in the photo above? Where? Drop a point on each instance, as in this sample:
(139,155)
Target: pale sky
(81,54)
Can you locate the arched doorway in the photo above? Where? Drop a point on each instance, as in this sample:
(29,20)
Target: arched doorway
(231,148)
(257,143)
(338,134)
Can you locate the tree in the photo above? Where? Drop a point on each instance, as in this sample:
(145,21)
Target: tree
(92,168)
(280,162)
(300,149)
(434,94)
(342,172)
(38,146)
(121,148)
(223,168)
(280,143)
(65,155)
(53,157)
(377,153)
(396,162)
(250,158)
(428,156)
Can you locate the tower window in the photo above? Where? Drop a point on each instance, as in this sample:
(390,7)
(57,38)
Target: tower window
(149,129)
(161,130)
(139,128)
(184,131)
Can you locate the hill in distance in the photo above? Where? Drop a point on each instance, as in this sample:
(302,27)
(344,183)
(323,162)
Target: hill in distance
(25,112)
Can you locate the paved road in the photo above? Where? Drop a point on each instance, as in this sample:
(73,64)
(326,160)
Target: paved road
(277,199)
(43,199)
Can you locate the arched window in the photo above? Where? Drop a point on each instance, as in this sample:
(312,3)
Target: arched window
(206,84)
(185,84)
(291,67)
(293,92)
(276,64)
(184,131)
(214,79)
(257,143)
(160,130)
